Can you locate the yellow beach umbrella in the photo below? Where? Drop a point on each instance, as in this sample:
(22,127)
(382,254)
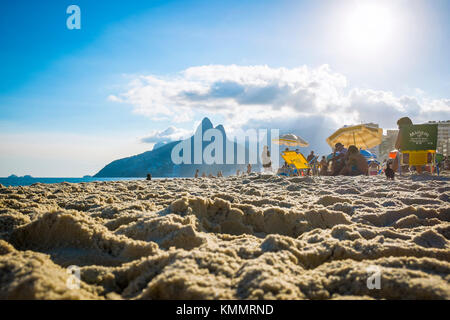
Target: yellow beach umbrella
(361,136)
(291,140)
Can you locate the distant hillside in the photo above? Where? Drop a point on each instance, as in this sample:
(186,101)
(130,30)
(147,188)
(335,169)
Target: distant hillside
(158,162)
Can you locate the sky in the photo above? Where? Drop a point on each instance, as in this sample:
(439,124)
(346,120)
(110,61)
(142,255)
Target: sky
(142,72)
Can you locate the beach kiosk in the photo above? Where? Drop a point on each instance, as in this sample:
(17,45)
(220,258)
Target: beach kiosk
(420,142)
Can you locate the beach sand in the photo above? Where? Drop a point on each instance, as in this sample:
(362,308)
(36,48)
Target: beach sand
(254,237)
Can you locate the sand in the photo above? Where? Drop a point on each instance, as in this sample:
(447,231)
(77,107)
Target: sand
(254,237)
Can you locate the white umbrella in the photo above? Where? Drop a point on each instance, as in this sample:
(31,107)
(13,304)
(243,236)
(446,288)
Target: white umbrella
(291,140)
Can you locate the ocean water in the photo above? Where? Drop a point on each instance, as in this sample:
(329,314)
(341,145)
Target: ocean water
(28,181)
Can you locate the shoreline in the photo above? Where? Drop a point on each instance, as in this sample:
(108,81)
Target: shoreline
(29,181)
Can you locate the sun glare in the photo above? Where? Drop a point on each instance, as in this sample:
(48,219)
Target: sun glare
(368,28)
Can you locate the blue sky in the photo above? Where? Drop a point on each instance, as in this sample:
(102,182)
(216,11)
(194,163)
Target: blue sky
(73,100)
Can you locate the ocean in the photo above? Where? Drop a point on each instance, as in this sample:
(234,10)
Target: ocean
(28,181)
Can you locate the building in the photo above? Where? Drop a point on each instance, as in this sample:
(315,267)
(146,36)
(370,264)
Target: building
(374,150)
(443,140)
(387,144)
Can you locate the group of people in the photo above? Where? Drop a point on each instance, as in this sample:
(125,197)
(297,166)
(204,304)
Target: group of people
(343,162)
(220,174)
(351,162)
(348,162)
(203,175)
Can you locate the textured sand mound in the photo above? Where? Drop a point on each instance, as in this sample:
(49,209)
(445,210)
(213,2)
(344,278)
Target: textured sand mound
(73,236)
(256,237)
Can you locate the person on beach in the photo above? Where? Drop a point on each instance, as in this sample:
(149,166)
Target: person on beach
(249,168)
(203,175)
(220,174)
(283,170)
(323,166)
(338,160)
(196,173)
(400,144)
(149,177)
(390,174)
(310,158)
(355,163)
(266,161)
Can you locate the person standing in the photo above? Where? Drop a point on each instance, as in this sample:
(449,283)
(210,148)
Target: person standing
(400,144)
(249,168)
(266,161)
(310,159)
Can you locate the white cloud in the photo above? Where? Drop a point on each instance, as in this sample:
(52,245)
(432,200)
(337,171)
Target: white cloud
(114,98)
(170,134)
(245,94)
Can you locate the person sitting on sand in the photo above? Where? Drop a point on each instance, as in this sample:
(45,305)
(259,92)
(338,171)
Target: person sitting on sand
(323,166)
(390,174)
(355,163)
(203,175)
(338,159)
(284,170)
(149,177)
(373,168)
(220,174)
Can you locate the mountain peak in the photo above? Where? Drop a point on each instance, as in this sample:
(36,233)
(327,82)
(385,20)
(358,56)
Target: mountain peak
(206,124)
(221,129)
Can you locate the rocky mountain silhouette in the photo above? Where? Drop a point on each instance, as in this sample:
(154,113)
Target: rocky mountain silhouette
(159,162)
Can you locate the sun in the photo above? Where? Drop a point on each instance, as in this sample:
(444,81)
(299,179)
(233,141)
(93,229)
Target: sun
(368,27)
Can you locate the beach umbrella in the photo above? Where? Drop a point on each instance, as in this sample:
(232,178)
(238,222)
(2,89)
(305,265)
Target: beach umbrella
(291,140)
(367,154)
(361,136)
